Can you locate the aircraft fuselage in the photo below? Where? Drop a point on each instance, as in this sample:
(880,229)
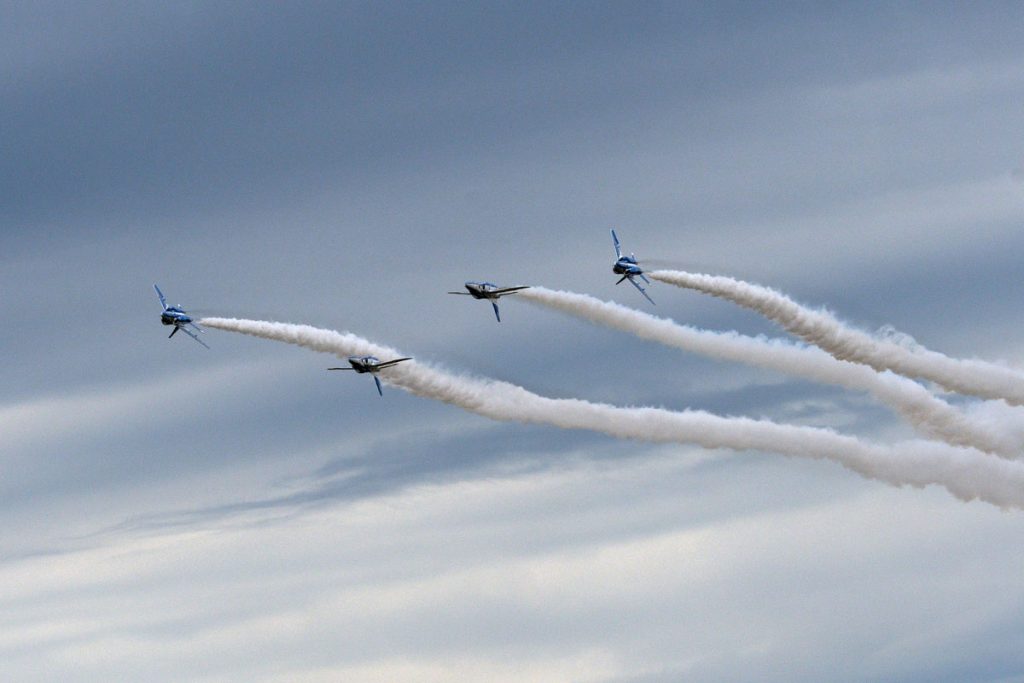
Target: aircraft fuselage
(626,265)
(482,290)
(363,364)
(175,316)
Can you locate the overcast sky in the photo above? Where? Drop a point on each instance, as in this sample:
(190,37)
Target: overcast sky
(177,513)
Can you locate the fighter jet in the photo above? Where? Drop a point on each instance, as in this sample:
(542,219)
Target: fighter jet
(372,365)
(627,267)
(175,315)
(489,290)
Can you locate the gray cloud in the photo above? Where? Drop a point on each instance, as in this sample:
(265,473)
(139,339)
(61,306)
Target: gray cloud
(344,166)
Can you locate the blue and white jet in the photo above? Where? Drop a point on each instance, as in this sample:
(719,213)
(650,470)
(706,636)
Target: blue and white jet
(628,268)
(372,365)
(490,291)
(175,315)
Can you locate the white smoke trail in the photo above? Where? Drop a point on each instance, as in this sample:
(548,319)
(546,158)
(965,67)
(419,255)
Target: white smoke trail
(821,328)
(930,415)
(966,473)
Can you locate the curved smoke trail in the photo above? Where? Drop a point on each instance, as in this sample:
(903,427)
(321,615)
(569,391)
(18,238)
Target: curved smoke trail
(930,415)
(966,473)
(973,377)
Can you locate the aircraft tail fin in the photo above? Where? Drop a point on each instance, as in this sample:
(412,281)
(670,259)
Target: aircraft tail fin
(496,314)
(379,390)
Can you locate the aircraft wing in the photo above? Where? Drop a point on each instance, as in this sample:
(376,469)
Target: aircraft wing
(642,290)
(389,363)
(341,368)
(163,301)
(618,249)
(193,335)
(461,293)
(509,290)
